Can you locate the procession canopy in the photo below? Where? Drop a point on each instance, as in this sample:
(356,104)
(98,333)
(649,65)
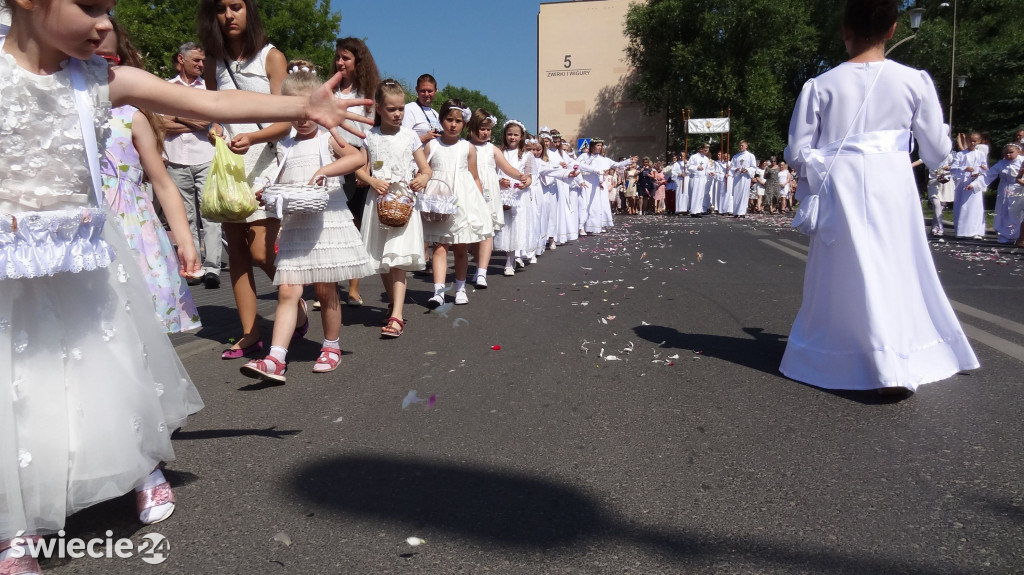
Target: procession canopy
(708,125)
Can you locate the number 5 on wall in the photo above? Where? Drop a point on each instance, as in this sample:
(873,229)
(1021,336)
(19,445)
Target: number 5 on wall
(568,60)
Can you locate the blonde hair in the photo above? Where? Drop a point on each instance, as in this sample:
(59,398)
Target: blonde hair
(301,78)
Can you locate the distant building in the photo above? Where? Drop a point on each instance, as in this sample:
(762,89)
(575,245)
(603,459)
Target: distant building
(582,74)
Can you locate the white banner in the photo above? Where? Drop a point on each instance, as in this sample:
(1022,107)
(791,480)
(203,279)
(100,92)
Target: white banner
(708,125)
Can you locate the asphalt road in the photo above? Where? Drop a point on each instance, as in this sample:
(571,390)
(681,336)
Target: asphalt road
(688,453)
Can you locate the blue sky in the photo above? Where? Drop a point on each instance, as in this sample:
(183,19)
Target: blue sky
(485,45)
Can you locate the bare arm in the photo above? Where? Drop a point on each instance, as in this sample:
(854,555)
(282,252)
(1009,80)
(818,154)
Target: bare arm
(504,166)
(349,160)
(143,90)
(421,179)
(472,168)
(166,192)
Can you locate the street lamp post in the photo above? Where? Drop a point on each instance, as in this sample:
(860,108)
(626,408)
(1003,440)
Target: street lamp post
(952,67)
(915,24)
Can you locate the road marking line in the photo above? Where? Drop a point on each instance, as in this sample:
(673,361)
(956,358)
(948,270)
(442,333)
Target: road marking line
(995,342)
(796,245)
(756,232)
(785,250)
(1002,322)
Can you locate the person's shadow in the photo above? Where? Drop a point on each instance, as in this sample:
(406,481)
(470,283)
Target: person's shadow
(761,351)
(523,512)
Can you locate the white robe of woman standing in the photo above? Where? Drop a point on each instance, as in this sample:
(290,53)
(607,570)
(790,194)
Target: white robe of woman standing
(968,205)
(873,314)
(697,170)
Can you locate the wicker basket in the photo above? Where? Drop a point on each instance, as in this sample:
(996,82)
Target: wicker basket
(286,199)
(394,209)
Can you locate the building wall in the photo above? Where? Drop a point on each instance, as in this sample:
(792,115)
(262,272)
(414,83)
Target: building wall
(582,74)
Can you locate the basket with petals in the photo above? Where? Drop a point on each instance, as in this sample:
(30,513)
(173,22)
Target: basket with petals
(510,196)
(283,199)
(395,208)
(437,201)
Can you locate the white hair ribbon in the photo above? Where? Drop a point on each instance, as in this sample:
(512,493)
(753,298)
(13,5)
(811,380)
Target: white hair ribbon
(466,113)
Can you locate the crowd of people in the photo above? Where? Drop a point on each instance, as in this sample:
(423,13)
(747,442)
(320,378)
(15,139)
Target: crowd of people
(86,259)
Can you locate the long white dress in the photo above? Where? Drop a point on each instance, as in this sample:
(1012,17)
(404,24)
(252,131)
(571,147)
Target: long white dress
(92,387)
(324,247)
(698,181)
(487,171)
(391,247)
(725,201)
(250,75)
(682,186)
(1009,197)
(743,165)
(519,233)
(968,203)
(599,214)
(874,313)
(472,222)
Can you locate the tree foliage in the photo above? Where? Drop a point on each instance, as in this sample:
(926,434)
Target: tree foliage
(754,56)
(299,28)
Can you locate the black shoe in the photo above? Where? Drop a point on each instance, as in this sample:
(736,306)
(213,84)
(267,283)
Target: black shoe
(211,280)
(193,281)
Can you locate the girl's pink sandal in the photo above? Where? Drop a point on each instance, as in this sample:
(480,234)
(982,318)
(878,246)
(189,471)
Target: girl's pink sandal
(266,369)
(326,361)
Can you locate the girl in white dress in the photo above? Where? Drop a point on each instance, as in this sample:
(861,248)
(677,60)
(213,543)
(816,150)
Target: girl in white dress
(561,222)
(874,315)
(968,202)
(77,428)
(518,237)
(390,150)
(320,249)
(1009,200)
(489,159)
(453,161)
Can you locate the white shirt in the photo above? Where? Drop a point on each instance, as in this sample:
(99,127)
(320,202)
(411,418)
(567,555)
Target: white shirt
(188,148)
(419,119)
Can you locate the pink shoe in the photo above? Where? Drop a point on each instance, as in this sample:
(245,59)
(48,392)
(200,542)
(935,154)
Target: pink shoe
(26,565)
(154,497)
(326,361)
(266,369)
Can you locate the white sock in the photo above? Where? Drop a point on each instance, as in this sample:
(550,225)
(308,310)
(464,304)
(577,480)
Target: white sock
(279,353)
(510,259)
(438,289)
(152,480)
(481,272)
(333,344)
(460,285)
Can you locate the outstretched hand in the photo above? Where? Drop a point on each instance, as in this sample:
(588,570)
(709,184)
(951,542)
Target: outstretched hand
(331,112)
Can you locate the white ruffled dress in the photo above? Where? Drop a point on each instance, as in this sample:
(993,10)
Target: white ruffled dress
(324,247)
(91,386)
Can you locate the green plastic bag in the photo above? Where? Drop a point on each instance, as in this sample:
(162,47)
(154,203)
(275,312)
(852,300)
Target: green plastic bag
(226,196)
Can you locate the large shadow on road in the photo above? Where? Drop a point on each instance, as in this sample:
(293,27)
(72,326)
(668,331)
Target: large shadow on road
(761,351)
(510,509)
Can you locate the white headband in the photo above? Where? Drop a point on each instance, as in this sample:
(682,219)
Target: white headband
(466,113)
(532,141)
(516,122)
(492,120)
(298,69)
(544,134)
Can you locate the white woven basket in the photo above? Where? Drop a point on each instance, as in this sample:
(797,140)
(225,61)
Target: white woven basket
(283,199)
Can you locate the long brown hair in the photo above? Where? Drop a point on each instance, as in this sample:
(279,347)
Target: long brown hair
(130,56)
(367,77)
(212,37)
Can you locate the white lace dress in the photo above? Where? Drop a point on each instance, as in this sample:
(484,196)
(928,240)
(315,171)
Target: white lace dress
(472,222)
(519,233)
(90,386)
(391,247)
(323,247)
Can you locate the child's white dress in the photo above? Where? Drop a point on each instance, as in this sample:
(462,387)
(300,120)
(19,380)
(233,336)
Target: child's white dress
(472,222)
(91,386)
(874,313)
(391,247)
(487,171)
(317,248)
(518,233)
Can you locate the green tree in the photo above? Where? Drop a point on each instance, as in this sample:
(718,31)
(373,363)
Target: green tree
(299,28)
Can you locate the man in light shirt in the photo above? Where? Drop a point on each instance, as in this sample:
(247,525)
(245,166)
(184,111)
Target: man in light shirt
(189,152)
(420,117)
